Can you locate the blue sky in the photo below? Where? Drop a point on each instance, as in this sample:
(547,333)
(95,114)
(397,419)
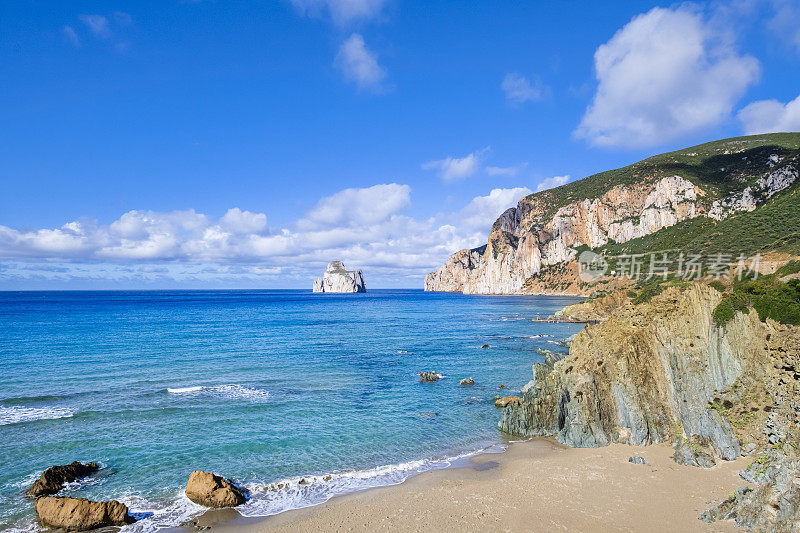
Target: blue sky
(245,144)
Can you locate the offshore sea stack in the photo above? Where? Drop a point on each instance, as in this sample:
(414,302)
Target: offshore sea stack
(338,279)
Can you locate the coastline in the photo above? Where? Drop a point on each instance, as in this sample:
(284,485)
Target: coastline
(536,484)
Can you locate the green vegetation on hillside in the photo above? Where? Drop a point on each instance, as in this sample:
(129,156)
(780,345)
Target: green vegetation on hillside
(770,297)
(773,226)
(718,167)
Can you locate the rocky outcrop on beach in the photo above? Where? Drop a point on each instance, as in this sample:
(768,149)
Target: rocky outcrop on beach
(771,502)
(649,373)
(338,279)
(80,514)
(210,490)
(532,247)
(54,478)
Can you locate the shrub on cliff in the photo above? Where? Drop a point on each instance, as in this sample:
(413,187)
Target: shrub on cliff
(770,298)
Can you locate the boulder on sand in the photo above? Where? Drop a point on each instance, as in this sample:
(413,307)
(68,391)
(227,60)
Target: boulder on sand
(80,514)
(429,377)
(205,488)
(53,479)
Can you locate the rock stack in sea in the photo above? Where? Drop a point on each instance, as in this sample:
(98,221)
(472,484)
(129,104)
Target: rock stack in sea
(338,279)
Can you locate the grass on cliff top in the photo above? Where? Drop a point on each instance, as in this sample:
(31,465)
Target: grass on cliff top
(718,167)
(770,297)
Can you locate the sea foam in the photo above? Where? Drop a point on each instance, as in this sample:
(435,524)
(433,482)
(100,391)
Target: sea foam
(16,414)
(231,392)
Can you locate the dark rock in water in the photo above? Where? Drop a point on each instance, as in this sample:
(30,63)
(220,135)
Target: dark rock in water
(637,460)
(205,488)
(485,346)
(501,387)
(54,478)
(694,451)
(773,503)
(467,381)
(429,377)
(80,514)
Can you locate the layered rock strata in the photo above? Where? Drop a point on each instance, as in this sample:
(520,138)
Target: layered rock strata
(646,374)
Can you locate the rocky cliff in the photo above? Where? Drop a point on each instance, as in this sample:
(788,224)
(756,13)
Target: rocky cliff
(338,279)
(651,372)
(548,228)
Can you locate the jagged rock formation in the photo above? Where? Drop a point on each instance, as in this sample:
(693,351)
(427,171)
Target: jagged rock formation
(205,488)
(646,375)
(548,228)
(54,478)
(339,279)
(80,514)
(764,188)
(772,503)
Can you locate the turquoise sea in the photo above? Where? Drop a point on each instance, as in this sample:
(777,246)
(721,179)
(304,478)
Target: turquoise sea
(258,386)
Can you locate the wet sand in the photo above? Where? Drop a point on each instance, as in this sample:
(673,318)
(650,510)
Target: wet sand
(536,485)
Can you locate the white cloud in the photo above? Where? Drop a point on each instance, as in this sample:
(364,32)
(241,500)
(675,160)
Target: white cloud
(237,221)
(785,23)
(359,207)
(505,171)
(665,74)
(97,24)
(358,64)
(70,35)
(482,211)
(341,11)
(769,116)
(555,181)
(363,227)
(519,89)
(456,168)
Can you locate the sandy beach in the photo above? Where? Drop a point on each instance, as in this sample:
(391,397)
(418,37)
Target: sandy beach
(536,485)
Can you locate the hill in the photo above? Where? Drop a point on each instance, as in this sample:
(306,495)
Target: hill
(733,196)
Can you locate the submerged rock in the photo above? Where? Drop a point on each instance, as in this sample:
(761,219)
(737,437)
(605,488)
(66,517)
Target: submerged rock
(429,377)
(54,478)
(205,488)
(467,381)
(339,279)
(80,514)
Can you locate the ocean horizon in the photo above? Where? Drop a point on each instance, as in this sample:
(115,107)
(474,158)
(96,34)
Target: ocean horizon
(319,393)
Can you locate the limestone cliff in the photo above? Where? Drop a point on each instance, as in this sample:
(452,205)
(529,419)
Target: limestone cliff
(548,228)
(648,373)
(338,279)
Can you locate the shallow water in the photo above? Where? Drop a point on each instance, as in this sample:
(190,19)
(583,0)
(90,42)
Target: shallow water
(259,386)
